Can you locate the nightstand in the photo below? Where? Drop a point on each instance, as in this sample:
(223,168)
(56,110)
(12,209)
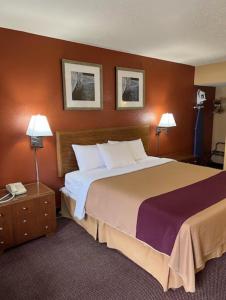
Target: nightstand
(27,216)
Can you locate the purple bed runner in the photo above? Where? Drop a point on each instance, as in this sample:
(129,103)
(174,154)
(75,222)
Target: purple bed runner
(160,217)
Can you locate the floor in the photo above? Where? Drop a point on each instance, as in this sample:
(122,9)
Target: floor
(71,265)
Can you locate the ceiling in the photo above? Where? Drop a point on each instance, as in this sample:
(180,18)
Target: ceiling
(185,31)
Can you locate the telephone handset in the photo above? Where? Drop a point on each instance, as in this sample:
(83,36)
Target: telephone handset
(14,189)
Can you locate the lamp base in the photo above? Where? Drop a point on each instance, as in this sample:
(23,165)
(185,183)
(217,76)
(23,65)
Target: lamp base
(160,129)
(36,142)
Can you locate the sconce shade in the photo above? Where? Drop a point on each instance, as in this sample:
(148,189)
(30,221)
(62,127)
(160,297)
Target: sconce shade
(167,120)
(39,126)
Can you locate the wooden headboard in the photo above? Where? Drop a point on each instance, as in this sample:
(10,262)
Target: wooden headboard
(66,161)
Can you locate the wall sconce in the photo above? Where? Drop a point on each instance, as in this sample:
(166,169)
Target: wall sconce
(166,121)
(37,128)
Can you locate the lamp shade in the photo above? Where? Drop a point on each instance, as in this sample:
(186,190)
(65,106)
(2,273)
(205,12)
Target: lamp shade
(167,120)
(39,126)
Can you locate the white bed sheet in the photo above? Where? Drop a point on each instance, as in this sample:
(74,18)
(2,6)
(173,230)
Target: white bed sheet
(77,183)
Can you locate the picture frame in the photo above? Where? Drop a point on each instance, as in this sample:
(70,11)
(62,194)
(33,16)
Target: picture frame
(82,85)
(130,88)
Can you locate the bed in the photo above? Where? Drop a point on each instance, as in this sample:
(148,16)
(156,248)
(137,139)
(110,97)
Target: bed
(113,205)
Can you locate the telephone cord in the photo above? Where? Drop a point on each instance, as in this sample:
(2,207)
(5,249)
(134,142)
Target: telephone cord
(2,198)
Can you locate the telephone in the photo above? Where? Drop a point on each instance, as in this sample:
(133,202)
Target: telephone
(16,188)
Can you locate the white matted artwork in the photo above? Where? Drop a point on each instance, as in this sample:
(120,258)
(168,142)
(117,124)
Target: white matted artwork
(82,83)
(130,88)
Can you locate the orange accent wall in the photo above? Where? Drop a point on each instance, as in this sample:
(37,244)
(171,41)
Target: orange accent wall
(31,83)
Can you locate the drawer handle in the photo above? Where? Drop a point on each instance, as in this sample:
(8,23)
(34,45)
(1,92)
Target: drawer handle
(46,202)
(25,234)
(45,214)
(1,214)
(24,208)
(46,227)
(24,221)
(1,228)
(2,242)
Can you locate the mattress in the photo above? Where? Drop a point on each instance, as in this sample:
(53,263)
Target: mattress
(77,183)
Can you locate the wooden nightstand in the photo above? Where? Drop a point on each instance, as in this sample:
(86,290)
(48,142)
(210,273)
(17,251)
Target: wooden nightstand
(27,216)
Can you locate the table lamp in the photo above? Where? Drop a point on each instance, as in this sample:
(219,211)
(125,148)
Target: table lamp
(38,127)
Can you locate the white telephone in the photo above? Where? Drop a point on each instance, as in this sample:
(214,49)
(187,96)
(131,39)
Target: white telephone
(16,188)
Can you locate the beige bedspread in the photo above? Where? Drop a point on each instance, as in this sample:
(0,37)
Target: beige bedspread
(115,201)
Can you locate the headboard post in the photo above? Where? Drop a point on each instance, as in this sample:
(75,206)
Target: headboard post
(66,161)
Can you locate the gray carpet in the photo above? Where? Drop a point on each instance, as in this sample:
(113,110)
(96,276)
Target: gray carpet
(71,265)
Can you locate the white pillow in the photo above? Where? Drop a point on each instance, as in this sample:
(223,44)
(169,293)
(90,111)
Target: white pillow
(88,157)
(136,147)
(116,155)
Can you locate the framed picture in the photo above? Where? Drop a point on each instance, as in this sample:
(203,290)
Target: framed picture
(82,84)
(130,88)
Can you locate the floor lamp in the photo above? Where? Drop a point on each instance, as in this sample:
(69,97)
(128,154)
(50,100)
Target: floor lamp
(38,127)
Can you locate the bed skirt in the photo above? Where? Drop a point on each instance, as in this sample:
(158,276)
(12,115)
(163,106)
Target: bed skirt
(152,261)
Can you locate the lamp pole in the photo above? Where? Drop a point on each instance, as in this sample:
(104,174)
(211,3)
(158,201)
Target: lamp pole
(36,165)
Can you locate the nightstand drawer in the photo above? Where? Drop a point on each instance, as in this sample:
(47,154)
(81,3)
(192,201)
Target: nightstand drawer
(24,234)
(6,230)
(5,214)
(48,227)
(25,228)
(47,222)
(24,209)
(47,215)
(6,237)
(3,246)
(47,203)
